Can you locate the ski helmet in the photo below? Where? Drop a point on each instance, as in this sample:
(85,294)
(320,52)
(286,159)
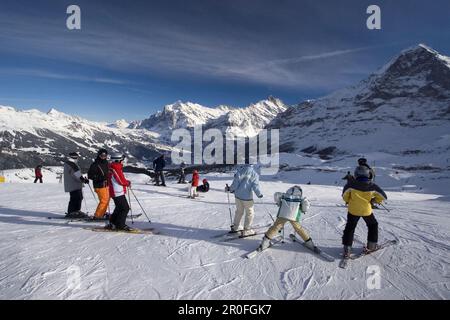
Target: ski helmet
(295,191)
(117,156)
(362,172)
(74,155)
(362,161)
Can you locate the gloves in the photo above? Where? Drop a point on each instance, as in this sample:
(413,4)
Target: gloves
(227,188)
(84,180)
(260,196)
(128,183)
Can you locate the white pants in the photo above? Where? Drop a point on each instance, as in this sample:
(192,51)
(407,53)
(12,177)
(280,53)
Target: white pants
(193,191)
(241,206)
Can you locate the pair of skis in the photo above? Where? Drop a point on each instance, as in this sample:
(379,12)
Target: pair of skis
(131,231)
(344,262)
(228,236)
(293,238)
(89,219)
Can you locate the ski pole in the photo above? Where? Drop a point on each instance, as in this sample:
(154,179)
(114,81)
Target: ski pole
(149,221)
(131,209)
(92,192)
(385,207)
(84,198)
(229,206)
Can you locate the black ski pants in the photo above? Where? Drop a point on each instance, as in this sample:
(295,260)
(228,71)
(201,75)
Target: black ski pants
(352,221)
(76,197)
(119,215)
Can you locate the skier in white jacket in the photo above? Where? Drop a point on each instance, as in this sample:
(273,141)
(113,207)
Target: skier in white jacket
(245,182)
(292,205)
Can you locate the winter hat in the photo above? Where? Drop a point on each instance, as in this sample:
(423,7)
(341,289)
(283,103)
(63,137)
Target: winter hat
(362,172)
(117,156)
(102,151)
(74,155)
(204,180)
(295,191)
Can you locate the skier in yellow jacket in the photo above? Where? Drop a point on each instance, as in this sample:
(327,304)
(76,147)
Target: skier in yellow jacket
(358,194)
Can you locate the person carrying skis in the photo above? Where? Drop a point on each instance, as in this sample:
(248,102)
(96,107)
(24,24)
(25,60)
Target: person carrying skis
(194,184)
(245,182)
(73,183)
(38,174)
(204,187)
(182,178)
(118,189)
(158,165)
(292,205)
(98,173)
(358,194)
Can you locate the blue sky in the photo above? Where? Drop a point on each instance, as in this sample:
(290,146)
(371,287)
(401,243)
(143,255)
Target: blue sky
(132,57)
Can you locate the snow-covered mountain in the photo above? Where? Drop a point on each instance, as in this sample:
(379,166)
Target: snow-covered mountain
(30,137)
(241,122)
(403,110)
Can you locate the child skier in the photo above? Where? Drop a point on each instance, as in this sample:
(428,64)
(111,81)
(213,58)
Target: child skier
(194,184)
(358,194)
(73,183)
(204,187)
(98,173)
(118,190)
(38,174)
(292,205)
(245,182)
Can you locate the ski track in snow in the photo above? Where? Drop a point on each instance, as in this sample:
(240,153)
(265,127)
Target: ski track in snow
(185,262)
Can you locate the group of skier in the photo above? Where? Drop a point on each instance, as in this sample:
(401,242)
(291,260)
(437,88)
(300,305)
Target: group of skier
(108,181)
(359,193)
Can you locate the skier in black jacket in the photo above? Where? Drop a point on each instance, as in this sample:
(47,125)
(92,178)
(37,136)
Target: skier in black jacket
(158,165)
(98,173)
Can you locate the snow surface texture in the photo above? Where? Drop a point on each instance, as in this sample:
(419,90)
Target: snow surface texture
(40,257)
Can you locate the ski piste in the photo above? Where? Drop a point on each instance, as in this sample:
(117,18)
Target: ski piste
(316,249)
(258,250)
(229,233)
(132,231)
(344,262)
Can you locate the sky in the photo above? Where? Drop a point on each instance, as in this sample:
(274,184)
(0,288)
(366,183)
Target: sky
(131,58)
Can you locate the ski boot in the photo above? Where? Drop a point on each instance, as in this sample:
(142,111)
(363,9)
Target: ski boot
(110,226)
(264,244)
(371,246)
(310,245)
(76,215)
(347,252)
(248,232)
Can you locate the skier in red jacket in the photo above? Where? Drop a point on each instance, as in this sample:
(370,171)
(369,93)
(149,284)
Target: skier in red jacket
(194,184)
(38,174)
(118,189)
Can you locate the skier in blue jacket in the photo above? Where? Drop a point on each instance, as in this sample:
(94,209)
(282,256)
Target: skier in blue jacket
(245,183)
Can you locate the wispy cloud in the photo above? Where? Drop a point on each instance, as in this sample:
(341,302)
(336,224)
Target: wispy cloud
(52,75)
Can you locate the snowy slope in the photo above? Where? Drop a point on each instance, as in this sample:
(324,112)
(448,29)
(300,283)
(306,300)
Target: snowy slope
(38,255)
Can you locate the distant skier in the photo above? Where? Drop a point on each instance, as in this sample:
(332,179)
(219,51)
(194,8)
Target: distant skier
(38,174)
(358,194)
(118,189)
(204,187)
(182,178)
(292,205)
(98,173)
(158,165)
(73,183)
(348,177)
(245,182)
(194,184)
